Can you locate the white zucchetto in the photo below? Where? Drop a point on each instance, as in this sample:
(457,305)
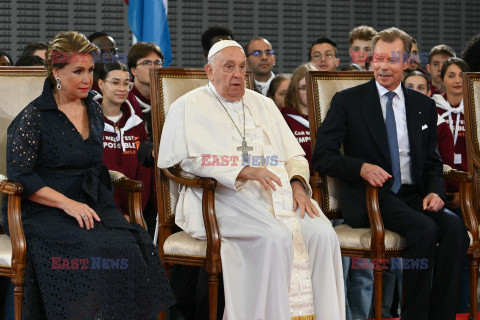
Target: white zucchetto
(222,44)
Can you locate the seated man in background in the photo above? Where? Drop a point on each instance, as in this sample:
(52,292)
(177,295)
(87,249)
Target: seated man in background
(142,57)
(5,59)
(436,58)
(29,61)
(415,60)
(262,198)
(323,52)
(108,53)
(35,49)
(213,35)
(361,44)
(260,61)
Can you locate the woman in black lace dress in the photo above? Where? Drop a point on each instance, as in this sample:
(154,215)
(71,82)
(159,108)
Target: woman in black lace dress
(84,260)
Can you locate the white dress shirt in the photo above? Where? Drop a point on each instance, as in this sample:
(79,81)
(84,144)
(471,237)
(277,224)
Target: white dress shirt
(262,87)
(402,130)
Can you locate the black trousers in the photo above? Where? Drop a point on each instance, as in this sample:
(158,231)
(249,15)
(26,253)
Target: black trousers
(431,290)
(190,287)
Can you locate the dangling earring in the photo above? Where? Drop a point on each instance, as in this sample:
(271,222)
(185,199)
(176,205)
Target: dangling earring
(59,86)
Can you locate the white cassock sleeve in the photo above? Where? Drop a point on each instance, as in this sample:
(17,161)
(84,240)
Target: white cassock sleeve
(298,166)
(225,175)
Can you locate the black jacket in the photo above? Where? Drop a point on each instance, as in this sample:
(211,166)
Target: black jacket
(355,120)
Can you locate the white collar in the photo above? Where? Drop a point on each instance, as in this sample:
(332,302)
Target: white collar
(382,90)
(215,92)
(268,81)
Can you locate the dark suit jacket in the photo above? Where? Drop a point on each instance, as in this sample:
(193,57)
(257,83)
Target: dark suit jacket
(355,120)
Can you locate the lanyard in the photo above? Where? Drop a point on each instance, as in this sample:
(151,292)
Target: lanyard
(457,127)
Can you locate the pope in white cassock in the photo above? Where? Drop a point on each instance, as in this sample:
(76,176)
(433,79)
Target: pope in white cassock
(280,255)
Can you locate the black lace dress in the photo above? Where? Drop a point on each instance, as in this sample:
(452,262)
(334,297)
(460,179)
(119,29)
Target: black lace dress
(109,272)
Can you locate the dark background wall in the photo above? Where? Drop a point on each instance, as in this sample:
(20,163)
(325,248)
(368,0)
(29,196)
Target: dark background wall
(290,25)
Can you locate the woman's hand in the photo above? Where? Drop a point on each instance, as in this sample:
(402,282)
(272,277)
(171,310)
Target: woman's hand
(52,198)
(80,211)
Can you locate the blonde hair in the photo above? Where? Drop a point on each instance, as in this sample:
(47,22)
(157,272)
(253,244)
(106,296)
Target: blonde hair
(390,35)
(63,47)
(292,99)
(365,33)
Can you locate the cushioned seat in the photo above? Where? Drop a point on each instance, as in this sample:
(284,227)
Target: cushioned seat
(350,238)
(360,238)
(5,251)
(183,244)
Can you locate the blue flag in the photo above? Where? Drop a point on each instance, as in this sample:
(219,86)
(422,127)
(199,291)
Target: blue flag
(148,22)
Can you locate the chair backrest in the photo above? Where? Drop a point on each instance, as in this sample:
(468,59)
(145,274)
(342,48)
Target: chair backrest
(167,85)
(19,86)
(471,99)
(321,87)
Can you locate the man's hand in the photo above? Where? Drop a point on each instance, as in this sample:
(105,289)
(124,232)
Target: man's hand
(302,200)
(433,202)
(262,175)
(375,175)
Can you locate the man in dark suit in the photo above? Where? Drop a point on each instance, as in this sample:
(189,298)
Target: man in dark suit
(389,136)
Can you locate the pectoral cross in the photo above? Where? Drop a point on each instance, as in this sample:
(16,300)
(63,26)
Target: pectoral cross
(244,148)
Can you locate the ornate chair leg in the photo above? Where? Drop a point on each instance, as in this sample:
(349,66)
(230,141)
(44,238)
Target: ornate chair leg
(18,300)
(473,268)
(213,296)
(377,291)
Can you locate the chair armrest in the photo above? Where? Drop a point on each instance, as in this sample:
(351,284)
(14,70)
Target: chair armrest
(376,222)
(134,188)
(176,174)
(15,227)
(208,185)
(466,198)
(455,175)
(316,182)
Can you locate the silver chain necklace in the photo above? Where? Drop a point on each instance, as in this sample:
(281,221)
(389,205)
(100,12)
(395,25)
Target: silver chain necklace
(244,147)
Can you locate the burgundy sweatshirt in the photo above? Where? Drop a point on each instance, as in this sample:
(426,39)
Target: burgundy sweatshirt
(300,131)
(120,143)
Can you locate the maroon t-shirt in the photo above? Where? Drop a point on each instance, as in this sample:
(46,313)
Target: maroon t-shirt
(433,89)
(301,132)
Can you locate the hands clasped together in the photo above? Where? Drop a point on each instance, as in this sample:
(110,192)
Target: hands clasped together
(268,180)
(376,177)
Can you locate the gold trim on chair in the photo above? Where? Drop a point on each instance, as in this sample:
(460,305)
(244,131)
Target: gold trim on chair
(309,317)
(15,72)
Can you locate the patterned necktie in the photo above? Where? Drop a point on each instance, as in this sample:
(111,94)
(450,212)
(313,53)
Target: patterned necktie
(393,142)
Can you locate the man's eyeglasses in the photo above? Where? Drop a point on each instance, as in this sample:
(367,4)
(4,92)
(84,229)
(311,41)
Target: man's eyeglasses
(120,85)
(259,53)
(112,50)
(327,55)
(149,63)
